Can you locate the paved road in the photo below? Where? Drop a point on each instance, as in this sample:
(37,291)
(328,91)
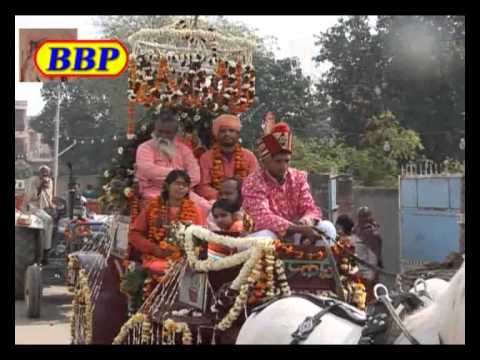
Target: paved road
(53,325)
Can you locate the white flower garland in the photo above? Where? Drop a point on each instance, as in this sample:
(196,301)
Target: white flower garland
(82,296)
(206,235)
(170,327)
(171,35)
(245,287)
(250,271)
(249,257)
(135,320)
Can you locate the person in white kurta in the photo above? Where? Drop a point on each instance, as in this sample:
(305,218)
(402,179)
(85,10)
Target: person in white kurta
(39,201)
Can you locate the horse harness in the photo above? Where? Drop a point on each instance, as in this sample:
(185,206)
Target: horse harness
(378,327)
(382,317)
(329,305)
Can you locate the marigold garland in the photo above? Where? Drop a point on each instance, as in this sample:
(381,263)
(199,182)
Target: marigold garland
(131,122)
(217,172)
(158,220)
(248,224)
(352,283)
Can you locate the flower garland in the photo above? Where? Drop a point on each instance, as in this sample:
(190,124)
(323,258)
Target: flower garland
(158,223)
(135,320)
(248,224)
(352,284)
(217,168)
(82,300)
(252,244)
(72,270)
(146,332)
(131,122)
(196,80)
(170,328)
(245,289)
(251,271)
(174,34)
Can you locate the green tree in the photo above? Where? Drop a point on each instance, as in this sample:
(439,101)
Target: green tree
(384,146)
(350,85)
(385,133)
(321,155)
(411,65)
(84,116)
(426,77)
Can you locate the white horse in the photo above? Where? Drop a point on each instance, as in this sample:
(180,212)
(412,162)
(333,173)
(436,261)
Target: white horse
(444,318)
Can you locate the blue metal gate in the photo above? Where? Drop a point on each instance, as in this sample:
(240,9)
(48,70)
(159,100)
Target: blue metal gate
(429,209)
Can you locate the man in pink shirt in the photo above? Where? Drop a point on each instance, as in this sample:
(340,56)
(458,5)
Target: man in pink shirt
(157,157)
(226,159)
(277,197)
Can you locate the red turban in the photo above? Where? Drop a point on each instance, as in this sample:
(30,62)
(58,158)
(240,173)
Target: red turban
(280,139)
(229,121)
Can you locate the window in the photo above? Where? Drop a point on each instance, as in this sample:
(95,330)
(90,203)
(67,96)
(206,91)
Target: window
(20,119)
(20,148)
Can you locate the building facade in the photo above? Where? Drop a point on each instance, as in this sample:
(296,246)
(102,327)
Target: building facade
(28,142)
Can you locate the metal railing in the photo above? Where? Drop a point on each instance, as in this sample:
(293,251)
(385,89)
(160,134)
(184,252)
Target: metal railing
(426,168)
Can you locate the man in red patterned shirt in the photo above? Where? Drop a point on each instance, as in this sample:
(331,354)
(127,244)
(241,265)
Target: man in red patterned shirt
(277,197)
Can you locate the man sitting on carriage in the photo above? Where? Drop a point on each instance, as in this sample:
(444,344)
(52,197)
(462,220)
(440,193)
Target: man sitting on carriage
(276,196)
(165,152)
(226,159)
(278,199)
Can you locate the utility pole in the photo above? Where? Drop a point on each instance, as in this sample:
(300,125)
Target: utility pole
(56,140)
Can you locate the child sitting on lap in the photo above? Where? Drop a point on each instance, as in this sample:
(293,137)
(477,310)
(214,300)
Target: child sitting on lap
(224,215)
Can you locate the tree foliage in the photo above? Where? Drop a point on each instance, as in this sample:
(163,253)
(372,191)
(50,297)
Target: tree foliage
(370,163)
(413,66)
(84,115)
(321,155)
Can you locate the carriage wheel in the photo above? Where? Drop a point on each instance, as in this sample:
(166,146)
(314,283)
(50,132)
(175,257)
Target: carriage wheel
(33,290)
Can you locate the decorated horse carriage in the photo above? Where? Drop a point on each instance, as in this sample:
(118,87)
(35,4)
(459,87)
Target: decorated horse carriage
(200,74)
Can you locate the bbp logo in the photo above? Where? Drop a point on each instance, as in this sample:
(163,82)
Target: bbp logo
(81,58)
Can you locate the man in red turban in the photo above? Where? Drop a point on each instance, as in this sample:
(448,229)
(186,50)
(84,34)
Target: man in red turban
(276,196)
(226,159)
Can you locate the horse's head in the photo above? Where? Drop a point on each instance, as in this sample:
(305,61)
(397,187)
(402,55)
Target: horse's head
(452,303)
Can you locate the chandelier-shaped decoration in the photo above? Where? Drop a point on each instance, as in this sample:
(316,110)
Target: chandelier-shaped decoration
(194,71)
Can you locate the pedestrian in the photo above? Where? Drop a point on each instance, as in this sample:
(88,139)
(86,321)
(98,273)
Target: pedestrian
(368,245)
